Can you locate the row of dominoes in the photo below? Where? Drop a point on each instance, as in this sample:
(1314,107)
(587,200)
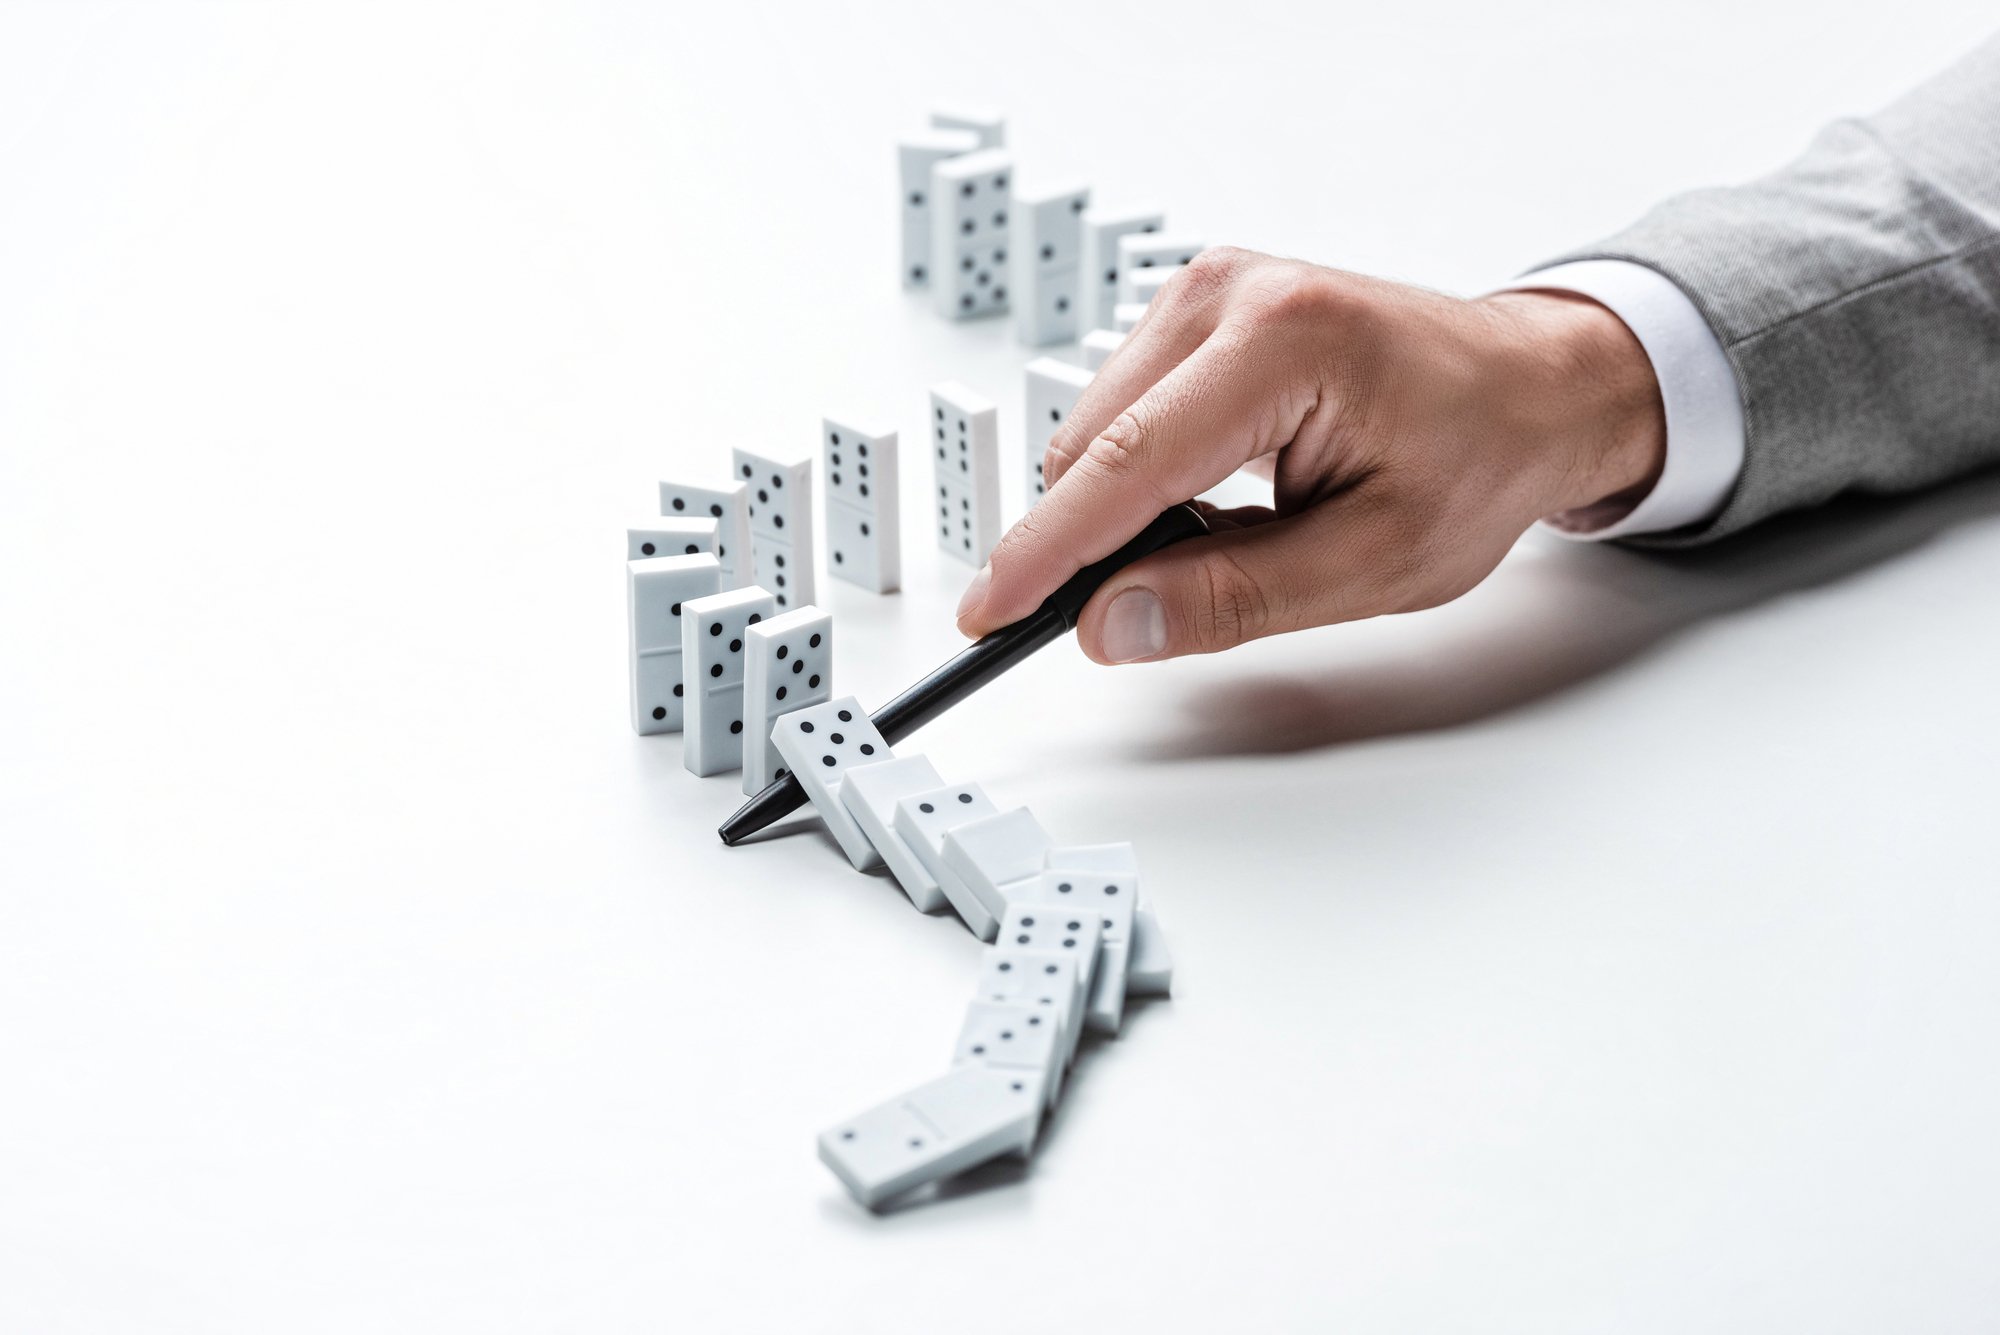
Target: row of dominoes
(983,246)
(1072,941)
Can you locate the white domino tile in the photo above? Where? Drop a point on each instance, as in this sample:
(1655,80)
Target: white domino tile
(1099,344)
(787,665)
(1112,897)
(922,819)
(955,1122)
(1141,256)
(669,537)
(712,642)
(820,744)
(970,233)
(985,124)
(1051,391)
(992,854)
(1125,316)
(728,507)
(655,590)
(864,542)
(915,156)
(1066,932)
(780,508)
(1010,1036)
(1098,257)
(870,794)
(965,468)
(1046,245)
(1152,969)
(1047,979)
(1146,283)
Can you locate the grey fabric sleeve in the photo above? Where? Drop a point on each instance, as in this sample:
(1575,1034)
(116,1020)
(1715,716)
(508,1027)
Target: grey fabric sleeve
(1857,294)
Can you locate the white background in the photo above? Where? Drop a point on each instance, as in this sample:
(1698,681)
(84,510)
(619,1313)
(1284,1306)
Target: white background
(1611,950)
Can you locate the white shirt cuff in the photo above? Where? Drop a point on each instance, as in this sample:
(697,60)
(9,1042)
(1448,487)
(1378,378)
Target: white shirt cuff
(1697,386)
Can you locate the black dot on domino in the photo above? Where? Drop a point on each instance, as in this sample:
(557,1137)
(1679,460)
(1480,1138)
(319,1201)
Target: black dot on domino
(798,666)
(805,727)
(736,727)
(646,547)
(813,643)
(659,711)
(677,690)
(837,739)
(846,716)
(781,692)
(826,760)
(928,809)
(715,671)
(783,650)
(965,797)
(813,681)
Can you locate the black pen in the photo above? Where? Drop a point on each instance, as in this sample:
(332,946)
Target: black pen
(980,662)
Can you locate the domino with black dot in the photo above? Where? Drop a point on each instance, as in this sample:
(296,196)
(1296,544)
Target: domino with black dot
(1046,248)
(970,231)
(1052,389)
(1142,255)
(965,462)
(656,590)
(915,156)
(728,507)
(942,1127)
(787,665)
(669,537)
(864,541)
(1098,256)
(780,510)
(712,640)
(820,744)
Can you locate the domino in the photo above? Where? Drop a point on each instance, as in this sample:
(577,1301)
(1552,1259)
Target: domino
(1046,245)
(986,125)
(870,794)
(1098,259)
(1152,969)
(864,542)
(1098,345)
(712,631)
(727,506)
(965,440)
(1126,315)
(1052,390)
(1146,284)
(656,589)
(958,1121)
(991,854)
(1112,898)
(1139,253)
(820,744)
(969,233)
(922,819)
(1012,1037)
(780,510)
(1041,978)
(669,537)
(787,665)
(915,156)
(1066,933)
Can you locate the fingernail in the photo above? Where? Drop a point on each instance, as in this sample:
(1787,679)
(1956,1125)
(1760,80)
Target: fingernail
(975,592)
(1135,626)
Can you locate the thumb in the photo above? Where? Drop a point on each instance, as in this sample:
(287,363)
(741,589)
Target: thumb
(1213,593)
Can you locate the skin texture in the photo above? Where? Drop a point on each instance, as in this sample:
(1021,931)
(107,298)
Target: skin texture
(1411,438)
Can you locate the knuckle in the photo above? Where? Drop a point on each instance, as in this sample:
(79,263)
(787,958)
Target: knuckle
(1231,607)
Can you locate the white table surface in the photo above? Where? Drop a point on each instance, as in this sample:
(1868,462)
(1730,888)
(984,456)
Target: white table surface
(1613,949)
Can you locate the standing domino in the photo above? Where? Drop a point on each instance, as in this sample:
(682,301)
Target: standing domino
(656,589)
(969,234)
(782,557)
(1152,968)
(915,156)
(787,665)
(1147,282)
(985,124)
(669,537)
(922,819)
(1052,390)
(870,794)
(1048,236)
(821,744)
(712,631)
(953,1123)
(965,441)
(1139,254)
(1099,263)
(864,540)
(1098,345)
(727,506)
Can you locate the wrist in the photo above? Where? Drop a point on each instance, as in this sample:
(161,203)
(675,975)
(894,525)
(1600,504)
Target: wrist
(1595,401)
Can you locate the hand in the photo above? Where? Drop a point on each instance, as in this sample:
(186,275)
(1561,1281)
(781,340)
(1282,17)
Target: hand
(1414,437)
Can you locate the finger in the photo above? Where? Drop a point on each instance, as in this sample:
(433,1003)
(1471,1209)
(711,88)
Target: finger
(1184,435)
(1342,560)
(1179,319)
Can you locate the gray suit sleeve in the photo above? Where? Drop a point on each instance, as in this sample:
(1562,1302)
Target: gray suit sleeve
(1857,294)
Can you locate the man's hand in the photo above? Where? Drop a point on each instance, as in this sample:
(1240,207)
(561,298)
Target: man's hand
(1414,438)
